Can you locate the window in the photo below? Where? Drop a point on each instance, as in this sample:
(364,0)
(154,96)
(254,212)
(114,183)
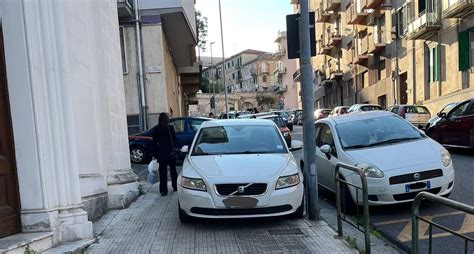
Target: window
(401,18)
(122,51)
(233,75)
(195,124)
(470,110)
(264,78)
(458,111)
(178,125)
(433,64)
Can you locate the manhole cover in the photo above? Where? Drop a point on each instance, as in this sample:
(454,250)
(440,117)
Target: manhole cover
(288,231)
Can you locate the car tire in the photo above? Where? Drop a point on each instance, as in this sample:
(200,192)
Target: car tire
(183,216)
(138,154)
(299,213)
(348,204)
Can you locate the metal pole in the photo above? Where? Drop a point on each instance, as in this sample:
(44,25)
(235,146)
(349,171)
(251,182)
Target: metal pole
(308,114)
(140,66)
(223,64)
(213,90)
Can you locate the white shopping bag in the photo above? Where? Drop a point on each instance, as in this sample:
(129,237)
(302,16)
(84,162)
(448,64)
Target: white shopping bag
(153,171)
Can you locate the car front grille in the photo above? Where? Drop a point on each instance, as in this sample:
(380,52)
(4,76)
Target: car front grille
(411,178)
(246,211)
(252,190)
(412,195)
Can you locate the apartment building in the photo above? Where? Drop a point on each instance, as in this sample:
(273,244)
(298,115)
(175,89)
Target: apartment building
(282,75)
(387,52)
(161,72)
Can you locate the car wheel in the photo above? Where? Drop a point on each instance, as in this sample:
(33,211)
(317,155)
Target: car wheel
(183,216)
(137,154)
(348,204)
(299,213)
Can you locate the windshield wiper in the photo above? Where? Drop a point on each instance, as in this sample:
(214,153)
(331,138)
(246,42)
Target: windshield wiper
(395,140)
(357,146)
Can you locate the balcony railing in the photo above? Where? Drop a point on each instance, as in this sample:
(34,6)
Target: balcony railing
(457,8)
(355,14)
(321,15)
(362,50)
(279,53)
(424,25)
(377,41)
(350,56)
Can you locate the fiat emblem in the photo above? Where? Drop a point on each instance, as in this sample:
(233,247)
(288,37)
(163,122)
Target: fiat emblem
(416,176)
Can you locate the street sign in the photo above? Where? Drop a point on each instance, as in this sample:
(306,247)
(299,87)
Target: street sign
(293,35)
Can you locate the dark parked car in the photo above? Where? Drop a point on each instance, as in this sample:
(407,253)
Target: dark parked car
(436,117)
(286,118)
(455,128)
(142,147)
(285,131)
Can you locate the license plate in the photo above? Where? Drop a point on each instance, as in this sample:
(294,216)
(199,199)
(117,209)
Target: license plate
(240,202)
(412,186)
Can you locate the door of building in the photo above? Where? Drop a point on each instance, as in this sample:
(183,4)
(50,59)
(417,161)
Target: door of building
(9,201)
(403,89)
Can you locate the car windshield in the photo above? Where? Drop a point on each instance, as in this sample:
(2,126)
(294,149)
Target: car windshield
(239,139)
(448,108)
(376,131)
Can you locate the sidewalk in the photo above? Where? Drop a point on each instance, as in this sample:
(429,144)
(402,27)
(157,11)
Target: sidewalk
(151,225)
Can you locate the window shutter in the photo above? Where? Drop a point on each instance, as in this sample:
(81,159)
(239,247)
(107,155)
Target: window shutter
(463,50)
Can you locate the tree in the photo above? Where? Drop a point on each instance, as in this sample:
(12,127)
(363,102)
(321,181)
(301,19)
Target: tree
(266,101)
(201,23)
(207,87)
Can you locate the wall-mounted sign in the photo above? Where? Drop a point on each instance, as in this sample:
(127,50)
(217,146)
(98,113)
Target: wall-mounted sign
(153,69)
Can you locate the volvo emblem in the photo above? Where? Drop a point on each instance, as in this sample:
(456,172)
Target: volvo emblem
(241,189)
(416,176)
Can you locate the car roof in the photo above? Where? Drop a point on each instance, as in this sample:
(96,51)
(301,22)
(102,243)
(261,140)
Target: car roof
(357,116)
(191,117)
(236,122)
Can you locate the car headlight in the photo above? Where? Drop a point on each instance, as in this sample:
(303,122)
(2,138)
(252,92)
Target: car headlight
(193,183)
(371,170)
(445,158)
(287,181)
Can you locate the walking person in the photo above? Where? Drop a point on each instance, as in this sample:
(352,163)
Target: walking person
(164,137)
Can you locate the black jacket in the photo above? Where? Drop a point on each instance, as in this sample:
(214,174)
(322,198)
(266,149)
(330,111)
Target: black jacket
(161,137)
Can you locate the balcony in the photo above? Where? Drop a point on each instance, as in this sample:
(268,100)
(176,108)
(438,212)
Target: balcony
(423,26)
(279,70)
(125,8)
(322,16)
(355,15)
(332,5)
(350,56)
(335,39)
(457,8)
(377,41)
(361,54)
(279,53)
(373,4)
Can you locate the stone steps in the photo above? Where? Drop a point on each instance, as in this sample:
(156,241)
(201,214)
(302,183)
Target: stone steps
(23,242)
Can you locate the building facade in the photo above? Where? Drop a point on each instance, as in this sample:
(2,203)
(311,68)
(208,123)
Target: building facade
(165,59)
(393,52)
(283,75)
(63,139)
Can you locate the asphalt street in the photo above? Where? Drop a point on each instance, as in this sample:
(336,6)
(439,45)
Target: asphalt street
(393,221)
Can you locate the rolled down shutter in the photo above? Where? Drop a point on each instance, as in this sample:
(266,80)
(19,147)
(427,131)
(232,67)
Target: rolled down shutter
(463,50)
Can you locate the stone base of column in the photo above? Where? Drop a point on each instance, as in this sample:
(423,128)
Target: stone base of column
(122,188)
(67,224)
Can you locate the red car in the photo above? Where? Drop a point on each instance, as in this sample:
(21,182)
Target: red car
(455,128)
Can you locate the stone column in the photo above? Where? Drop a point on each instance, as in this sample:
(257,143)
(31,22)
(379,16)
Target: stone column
(40,97)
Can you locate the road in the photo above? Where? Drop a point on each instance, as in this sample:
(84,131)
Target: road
(393,222)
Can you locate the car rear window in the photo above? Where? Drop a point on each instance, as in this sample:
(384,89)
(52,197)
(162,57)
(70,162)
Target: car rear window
(422,110)
(370,108)
(416,110)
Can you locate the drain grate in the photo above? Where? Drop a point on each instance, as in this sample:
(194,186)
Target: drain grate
(288,231)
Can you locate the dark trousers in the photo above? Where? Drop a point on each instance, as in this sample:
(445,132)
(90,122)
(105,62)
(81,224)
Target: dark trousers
(163,170)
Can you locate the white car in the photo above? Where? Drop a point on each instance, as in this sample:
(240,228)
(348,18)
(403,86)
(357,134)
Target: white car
(239,169)
(398,159)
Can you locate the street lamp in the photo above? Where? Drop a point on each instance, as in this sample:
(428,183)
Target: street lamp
(223,63)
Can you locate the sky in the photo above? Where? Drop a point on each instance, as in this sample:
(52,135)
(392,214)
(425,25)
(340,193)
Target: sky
(247,24)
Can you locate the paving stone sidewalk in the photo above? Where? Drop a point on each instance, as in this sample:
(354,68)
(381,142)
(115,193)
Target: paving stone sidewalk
(151,225)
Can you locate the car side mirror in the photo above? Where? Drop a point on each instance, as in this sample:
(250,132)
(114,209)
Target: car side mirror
(327,150)
(185,149)
(442,115)
(422,132)
(296,145)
